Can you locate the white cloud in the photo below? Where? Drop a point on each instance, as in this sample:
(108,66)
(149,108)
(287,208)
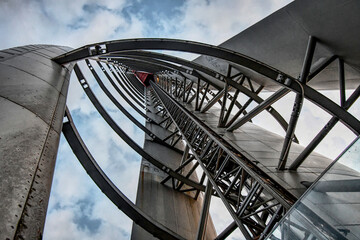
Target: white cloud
(71,23)
(215,21)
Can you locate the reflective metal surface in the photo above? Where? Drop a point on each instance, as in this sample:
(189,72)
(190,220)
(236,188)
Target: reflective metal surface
(33,92)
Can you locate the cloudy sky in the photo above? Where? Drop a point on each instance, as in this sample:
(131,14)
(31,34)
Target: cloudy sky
(77,209)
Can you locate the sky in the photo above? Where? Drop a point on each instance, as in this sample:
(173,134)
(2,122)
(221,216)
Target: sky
(77,208)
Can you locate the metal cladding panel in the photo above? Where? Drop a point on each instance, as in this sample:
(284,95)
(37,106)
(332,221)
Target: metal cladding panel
(33,93)
(264,147)
(280,41)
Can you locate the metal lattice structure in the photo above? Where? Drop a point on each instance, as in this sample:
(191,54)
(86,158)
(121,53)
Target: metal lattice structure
(255,201)
(194,116)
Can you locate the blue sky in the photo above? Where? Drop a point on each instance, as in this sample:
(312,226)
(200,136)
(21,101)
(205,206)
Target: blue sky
(77,209)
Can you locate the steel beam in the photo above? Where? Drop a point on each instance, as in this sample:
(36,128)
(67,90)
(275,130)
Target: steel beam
(321,135)
(342,82)
(126,82)
(178,45)
(297,104)
(275,97)
(210,72)
(204,212)
(108,188)
(125,112)
(205,146)
(258,109)
(127,90)
(126,138)
(131,104)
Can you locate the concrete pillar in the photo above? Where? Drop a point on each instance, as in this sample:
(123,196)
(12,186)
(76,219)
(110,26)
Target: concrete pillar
(176,210)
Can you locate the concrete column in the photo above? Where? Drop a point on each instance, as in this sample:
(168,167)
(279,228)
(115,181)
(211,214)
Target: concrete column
(176,210)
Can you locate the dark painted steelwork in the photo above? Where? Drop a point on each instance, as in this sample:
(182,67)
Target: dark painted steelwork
(321,135)
(122,94)
(203,96)
(125,137)
(130,83)
(124,111)
(108,188)
(223,106)
(297,104)
(187,46)
(135,92)
(204,211)
(151,56)
(116,103)
(138,100)
(342,82)
(258,109)
(221,162)
(276,96)
(242,110)
(214,100)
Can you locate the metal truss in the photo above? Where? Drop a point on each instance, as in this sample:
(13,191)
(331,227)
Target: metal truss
(126,138)
(253,199)
(179,45)
(195,70)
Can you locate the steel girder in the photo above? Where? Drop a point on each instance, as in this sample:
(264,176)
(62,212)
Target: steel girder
(205,49)
(194,67)
(125,137)
(252,198)
(122,109)
(207,147)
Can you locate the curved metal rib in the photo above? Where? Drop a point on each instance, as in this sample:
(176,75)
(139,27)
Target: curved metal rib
(131,77)
(187,46)
(126,81)
(126,113)
(134,97)
(119,91)
(108,188)
(127,139)
(210,72)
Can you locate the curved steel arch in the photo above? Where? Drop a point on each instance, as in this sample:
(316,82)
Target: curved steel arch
(210,72)
(127,139)
(126,113)
(205,49)
(175,45)
(108,187)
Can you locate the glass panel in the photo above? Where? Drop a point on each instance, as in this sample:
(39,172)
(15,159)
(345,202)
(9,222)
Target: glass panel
(330,209)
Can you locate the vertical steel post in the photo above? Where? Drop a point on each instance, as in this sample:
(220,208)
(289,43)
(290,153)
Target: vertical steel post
(223,106)
(197,95)
(204,211)
(321,135)
(297,104)
(342,82)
